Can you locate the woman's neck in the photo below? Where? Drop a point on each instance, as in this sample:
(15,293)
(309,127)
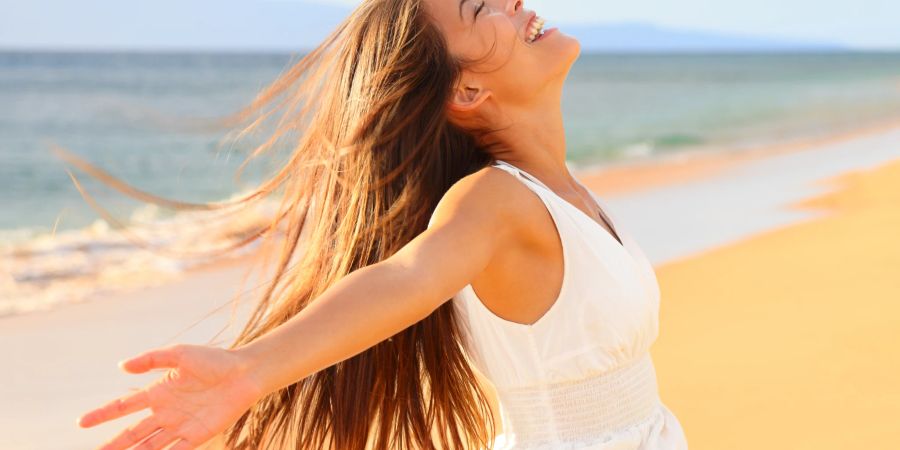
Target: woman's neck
(535,141)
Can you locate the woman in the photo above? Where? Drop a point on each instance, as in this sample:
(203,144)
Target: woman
(431,166)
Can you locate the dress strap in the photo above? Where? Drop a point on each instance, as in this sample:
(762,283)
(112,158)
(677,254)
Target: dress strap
(615,232)
(524,173)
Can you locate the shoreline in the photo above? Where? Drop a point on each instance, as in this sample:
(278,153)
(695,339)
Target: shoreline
(611,179)
(633,175)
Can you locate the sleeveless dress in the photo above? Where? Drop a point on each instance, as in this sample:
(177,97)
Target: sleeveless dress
(581,377)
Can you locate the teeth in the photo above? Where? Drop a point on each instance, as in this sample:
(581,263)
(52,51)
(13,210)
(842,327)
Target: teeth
(536,29)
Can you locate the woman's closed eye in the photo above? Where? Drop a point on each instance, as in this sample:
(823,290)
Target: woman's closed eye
(478,10)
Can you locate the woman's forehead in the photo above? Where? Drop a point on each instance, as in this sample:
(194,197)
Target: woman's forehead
(452,15)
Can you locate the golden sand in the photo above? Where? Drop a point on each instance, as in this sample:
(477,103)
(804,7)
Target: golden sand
(791,339)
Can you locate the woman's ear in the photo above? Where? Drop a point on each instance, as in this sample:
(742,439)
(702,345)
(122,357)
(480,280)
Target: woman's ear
(468,98)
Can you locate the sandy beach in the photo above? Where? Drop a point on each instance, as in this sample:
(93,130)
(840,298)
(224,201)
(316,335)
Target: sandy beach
(776,318)
(789,339)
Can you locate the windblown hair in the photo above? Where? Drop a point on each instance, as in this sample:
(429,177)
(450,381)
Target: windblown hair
(376,153)
(373,150)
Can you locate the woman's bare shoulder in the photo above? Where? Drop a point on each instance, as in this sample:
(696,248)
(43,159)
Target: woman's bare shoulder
(483,215)
(495,198)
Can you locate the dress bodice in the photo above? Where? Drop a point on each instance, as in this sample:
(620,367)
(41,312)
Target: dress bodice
(581,375)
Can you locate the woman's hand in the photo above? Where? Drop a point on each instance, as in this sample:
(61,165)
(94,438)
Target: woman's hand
(205,390)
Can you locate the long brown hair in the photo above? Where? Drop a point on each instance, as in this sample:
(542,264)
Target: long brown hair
(372,151)
(376,154)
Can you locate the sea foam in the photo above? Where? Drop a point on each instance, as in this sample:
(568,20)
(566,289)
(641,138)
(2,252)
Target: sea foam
(42,270)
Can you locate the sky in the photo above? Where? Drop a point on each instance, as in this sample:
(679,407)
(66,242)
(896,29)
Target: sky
(255,24)
(859,23)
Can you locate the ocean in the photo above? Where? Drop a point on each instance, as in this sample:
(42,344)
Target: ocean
(140,116)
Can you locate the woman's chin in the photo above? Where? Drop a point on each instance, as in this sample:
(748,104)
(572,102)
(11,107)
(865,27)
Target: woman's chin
(562,45)
(571,42)
(566,49)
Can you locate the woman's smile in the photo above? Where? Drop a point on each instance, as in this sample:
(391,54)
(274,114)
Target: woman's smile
(544,34)
(534,28)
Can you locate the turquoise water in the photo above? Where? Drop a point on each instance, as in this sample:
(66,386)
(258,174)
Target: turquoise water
(621,104)
(140,117)
(128,112)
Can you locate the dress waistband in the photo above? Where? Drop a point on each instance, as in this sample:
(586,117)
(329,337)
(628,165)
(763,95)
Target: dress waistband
(582,409)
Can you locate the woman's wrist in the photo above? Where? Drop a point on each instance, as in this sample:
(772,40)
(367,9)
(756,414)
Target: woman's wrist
(254,368)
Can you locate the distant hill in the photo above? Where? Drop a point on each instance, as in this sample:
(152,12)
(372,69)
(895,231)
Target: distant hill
(645,37)
(209,25)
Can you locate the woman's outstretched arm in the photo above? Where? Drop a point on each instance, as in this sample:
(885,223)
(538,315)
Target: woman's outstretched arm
(472,222)
(208,388)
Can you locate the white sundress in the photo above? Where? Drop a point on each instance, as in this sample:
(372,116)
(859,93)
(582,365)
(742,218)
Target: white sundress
(581,377)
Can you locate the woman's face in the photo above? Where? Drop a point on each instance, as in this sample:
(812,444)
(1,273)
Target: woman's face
(517,70)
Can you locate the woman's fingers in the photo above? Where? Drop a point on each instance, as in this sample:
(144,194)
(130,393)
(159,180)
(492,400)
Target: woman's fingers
(182,445)
(162,358)
(133,434)
(117,408)
(159,440)
(158,358)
